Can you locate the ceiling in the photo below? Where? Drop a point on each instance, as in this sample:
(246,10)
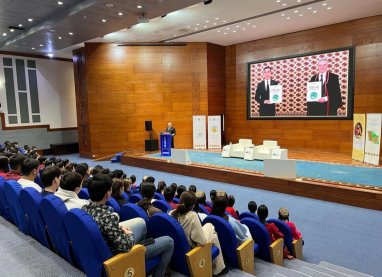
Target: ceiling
(223,22)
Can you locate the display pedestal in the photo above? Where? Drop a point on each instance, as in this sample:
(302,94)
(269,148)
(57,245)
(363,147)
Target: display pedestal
(151,145)
(165,144)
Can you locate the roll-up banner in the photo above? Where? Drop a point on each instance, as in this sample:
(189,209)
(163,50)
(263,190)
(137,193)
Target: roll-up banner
(199,132)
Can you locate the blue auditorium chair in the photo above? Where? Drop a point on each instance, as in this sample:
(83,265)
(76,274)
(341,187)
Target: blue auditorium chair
(30,200)
(158,196)
(248,214)
(203,209)
(162,205)
(53,211)
(130,211)
(176,200)
(189,261)
(294,246)
(84,194)
(4,206)
(125,195)
(238,256)
(94,256)
(12,191)
(134,198)
(114,204)
(272,252)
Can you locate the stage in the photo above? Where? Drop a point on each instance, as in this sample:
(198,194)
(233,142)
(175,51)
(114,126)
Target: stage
(366,196)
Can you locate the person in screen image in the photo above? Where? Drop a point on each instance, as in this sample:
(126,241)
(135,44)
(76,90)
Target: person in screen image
(262,93)
(170,129)
(330,99)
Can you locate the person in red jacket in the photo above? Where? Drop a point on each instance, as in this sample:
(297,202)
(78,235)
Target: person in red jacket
(284,216)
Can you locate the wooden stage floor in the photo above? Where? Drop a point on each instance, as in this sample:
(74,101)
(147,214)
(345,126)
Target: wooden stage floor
(344,193)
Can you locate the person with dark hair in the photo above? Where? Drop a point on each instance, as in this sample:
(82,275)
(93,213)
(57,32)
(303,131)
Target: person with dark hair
(263,94)
(201,196)
(148,179)
(15,162)
(192,188)
(83,170)
(117,189)
(169,194)
(212,195)
(29,171)
(147,191)
(230,209)
(4,166)
(284,216)
(51,178)
(241,231)
(272,229)
(180,190)
(118,173)
(71,184)
(95,170)
(171,130)
(197,234)
(121,236)
(133,179)
(252,207)
(161,186)
(174,186)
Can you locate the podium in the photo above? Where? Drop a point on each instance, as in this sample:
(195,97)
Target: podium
(165,144)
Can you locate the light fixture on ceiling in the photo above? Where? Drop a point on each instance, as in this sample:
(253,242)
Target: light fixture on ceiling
(139,6)
(60,3)
(207,2)
(30,19)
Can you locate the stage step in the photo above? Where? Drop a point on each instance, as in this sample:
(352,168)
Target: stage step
(312,269)
(267,269)
(343,270)
(117,157)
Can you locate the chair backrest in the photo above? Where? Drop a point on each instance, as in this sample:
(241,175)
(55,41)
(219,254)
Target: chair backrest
(130,211)
(114,204)
(203,209)
(12,191)
(89,247)
(134,198)
(158,196)
(176,200)
(245,142)
(4,206)
(269,143)
(260,235)
(125,195)
(284,228)
(30,200)
(248,214)
(53,211)
(162,205)
(84,194)
(169,226)
(227,239)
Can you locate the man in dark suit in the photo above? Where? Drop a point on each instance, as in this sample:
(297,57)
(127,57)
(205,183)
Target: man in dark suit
(330,99)
(262,94)
(172,131)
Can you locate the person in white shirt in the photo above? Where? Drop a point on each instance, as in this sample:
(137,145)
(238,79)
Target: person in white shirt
(71,184)
(29,171)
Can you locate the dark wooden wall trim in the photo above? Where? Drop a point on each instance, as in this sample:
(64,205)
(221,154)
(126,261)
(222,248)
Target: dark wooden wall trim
(354,196)
(34,56)
(47,126)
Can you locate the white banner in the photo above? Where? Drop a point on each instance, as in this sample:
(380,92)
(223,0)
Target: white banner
(214,132)
(314,91)
(359,126)
(199,132)
(373,138)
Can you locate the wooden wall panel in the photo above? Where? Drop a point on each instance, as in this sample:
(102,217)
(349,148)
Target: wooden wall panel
(328,135)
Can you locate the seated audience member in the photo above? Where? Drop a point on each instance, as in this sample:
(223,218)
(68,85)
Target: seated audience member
(284,216)
(95,170)
(148,179)
(29,171)
(120,237)
(50,177)
(118,173)
(273,231)
(169,194)
(192,188)
(83,170)
(230,209)
(117,190)
(201,196)
(133,179)
(160,187)
(127,186)
(41,160)
(70,186)
(15,162)
(212,198)
(4,166)
(174,186)
(197,234)
(241,231)
(147,192)
(252,207)
(180,190)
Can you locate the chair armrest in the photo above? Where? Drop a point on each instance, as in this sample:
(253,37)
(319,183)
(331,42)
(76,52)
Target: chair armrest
(127,264)
(297,248)
(246,256)
(277,252)
(199,260)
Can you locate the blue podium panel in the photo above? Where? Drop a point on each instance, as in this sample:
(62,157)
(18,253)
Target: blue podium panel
(165,144)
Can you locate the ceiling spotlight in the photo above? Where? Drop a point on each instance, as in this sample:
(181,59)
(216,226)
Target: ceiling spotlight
(11,30)
(120,14)
(59,37)
(4,34)
(50,55)
(20,25)
(139,6)
(60,3)
(103,20)
(207,2)
(70,33)
(30,19)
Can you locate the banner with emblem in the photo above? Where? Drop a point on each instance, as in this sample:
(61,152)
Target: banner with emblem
(373,138)
(359,130)
(214,132)
(199,132)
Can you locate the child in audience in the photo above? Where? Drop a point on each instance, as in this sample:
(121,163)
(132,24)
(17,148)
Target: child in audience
(252,207)
(284,216)
(272,229)
(212,198)
(192,188)
(4,167)
(169,194)
(230,209)
(51,178)
(197,234)
(180,190)
(201,196)
(160,187)
(147,191)
(117,189)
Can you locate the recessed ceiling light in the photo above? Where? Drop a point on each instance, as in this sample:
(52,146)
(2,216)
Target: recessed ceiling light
(214,23)
(309,8)
(104,20)
(207,21)
(197,24)
(120,13)
(139,7)
(225,33)
(59,37)
(11,30)
(298,1)
(50,55)
(41,45)
(254,26)
(278,1)
(70,33)
(285,4)
(283,14)
(288,18)
(296,11)
(33,48)
(224,21)
(174,35)
(219,31)
(4,34)
(324,4)
(301,14)
(196,29)
(227,28)
(109,5)
(60,3)
(237,26)
(248,23)
(314,11)
(216,18)
(233,31)
(20,25)
(205,26)
(30,19)
(329,8)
